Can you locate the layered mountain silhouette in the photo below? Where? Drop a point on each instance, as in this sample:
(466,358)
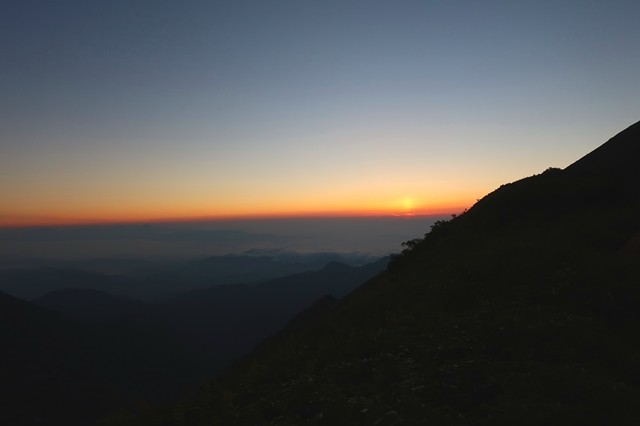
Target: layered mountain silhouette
(152,280)
(57,371)
(29,283)
(89,304)
(74,355)
(523,310)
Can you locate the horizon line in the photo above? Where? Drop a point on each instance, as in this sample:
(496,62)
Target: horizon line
(63,222)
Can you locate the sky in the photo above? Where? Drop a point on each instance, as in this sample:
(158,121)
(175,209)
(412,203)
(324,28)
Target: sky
(125,110)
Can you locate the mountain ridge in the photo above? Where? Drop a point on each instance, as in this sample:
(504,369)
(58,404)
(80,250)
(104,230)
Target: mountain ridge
(523,310)
(618,157)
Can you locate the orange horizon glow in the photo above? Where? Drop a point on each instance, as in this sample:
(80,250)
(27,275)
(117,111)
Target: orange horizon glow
(104,206)
(406,210)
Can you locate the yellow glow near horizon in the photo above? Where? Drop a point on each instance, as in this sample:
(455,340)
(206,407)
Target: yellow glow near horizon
(408,204)
(201,194)
(102,213)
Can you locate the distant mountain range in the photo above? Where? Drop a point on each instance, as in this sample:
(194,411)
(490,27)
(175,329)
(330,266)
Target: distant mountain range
(75,354)
(57,371)
(153,280)
(224,321)
(523,310)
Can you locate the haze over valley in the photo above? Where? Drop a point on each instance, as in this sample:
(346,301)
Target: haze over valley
(337,212)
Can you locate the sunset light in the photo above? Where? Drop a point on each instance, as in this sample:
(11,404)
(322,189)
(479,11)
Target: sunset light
(329,212)
(218,111)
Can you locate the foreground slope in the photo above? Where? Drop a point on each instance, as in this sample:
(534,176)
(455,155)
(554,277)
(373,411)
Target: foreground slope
(55,371)
(523,310)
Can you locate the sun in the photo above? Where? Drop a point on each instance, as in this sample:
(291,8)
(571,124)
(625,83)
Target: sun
(405,207)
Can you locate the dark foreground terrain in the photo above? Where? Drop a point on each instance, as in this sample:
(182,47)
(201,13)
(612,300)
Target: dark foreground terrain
(523,310)
(74,355)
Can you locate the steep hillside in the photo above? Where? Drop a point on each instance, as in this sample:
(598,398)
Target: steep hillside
(616,160)
(55,371)
(523,310)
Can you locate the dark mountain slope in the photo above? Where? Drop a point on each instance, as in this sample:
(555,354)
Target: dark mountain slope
(31,283)
(87,304)
(44,367)
(618,160)
(524,310)
(54,371)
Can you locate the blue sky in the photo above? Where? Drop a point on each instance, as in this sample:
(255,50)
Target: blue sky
(135,110)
